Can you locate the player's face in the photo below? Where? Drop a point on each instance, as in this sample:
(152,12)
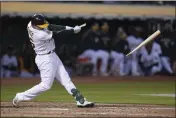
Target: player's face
(105,27)
(95,27)
(121,34)
(44,26)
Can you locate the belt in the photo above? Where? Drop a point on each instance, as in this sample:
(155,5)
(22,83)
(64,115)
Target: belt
(48,52)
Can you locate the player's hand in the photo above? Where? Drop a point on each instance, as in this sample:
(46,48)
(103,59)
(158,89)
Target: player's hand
(77,29)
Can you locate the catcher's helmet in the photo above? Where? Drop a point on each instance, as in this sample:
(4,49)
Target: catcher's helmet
(39,20)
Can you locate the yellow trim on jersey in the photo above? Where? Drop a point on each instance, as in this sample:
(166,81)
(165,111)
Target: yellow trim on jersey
(43,26)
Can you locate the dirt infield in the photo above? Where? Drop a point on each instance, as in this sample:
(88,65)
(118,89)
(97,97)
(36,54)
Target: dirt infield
(52,109)
(57,109)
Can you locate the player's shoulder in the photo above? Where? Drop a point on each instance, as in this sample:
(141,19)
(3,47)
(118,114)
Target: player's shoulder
(156,45)
(140,39)
(29,26)
(37,34)
(131,37)
(4,56)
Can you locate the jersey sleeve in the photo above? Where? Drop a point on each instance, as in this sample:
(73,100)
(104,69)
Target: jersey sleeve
(53,27)
(57,29)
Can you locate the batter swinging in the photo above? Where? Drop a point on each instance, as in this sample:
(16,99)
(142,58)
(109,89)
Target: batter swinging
(40,34)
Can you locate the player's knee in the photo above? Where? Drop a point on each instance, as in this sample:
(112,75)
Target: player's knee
(106,54)
(45,86)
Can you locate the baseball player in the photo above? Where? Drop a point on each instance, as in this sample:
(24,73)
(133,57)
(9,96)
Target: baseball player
(120,47)
(50,66)
(91,45)
(9,64)
(150,59)
(104,49)
(133,42)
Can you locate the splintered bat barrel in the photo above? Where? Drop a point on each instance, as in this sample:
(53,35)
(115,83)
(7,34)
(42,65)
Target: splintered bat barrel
(152,37)
(83,25)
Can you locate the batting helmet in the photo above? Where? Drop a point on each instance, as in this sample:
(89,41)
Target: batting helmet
(39,20)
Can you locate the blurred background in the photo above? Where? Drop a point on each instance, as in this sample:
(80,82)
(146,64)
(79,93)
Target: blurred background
(113,29)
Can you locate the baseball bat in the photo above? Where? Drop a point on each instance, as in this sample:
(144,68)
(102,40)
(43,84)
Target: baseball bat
(152,37)
(83,25)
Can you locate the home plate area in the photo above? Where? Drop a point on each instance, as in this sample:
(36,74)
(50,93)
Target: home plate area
(55,109)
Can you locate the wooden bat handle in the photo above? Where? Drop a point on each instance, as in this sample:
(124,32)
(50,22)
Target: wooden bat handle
(83,25)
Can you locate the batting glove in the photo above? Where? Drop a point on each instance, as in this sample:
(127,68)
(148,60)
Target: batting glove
(77,29)
(69,28)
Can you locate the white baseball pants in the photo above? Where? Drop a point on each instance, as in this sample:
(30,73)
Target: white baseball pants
(118,63)
(50,67)
(104,56)
(156,69)
(94,56)
(134,64)
(166,64)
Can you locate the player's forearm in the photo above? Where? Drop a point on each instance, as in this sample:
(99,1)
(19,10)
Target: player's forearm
(57,28)
(53,27)
(66,32)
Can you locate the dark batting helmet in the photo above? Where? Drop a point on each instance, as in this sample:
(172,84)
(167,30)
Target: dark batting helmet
(39,20)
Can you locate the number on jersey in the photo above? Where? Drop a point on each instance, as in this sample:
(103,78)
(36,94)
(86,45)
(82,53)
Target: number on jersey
(30,37)
(33,46)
